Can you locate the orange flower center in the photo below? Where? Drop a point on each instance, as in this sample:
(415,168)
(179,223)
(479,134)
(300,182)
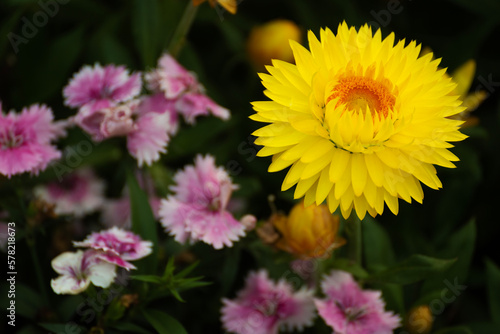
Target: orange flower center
(357,93)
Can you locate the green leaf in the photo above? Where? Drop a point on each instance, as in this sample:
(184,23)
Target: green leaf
(493,285)
(169,268)
(377,245)
(461,246)
(411,270)
(350,267)
(143,223)
(148,278)
(145,25)
(187,270)
(455,330)
(163,323)
(230,268)
(129,327)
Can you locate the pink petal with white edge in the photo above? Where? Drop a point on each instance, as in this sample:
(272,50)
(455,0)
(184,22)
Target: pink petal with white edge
(159,104)
(94,84)
(192,105)
(173,215)
(349,309)
(263,306)
(150,137)
(117,246)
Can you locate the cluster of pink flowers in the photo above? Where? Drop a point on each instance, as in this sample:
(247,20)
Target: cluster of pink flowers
(26,140)
(197,211)
(97,265)
(109,105)
(263,307)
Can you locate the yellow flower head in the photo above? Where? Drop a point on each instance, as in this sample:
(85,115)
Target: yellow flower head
(360,121)
(419,320)
(271,41)
(307,232)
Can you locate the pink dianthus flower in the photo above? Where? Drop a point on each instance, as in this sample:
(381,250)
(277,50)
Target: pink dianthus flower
(264,307)
(350,310)
(78,193)
(106,86)
(180,88)
(25,140)
(197,211)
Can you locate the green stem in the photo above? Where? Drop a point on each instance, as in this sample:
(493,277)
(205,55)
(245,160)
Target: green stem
(354,241)
(38,270)
(182,29)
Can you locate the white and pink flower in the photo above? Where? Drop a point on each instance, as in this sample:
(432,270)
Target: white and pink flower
(350,310)
(171,78)
(197,211)
(181,89)
(78,193)
(117,246)
(25,140)
(78,269)
(265,307)
(147,133)
(106,86)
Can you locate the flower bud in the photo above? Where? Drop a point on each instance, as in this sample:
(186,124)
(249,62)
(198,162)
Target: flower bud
(271,41)
(307,232)
(419,320)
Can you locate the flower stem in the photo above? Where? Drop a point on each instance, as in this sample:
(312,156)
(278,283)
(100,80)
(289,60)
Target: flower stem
(38,270)
(182,29)
(354,242)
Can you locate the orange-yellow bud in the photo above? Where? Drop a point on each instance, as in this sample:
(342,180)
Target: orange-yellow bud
(271,41)
(308,232)
(419,320)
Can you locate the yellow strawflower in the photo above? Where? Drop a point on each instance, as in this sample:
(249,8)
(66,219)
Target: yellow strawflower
(307,232)
(271,41)
(361,121)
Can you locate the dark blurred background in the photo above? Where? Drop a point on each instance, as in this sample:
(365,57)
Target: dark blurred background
(38,56)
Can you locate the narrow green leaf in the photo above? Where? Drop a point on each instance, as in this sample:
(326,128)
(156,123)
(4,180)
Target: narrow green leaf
(163,323)
(187,270)
(176,295)
(493,284)
(411,270)
(147,278)
(145,25)
(169,268)
(143,223)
